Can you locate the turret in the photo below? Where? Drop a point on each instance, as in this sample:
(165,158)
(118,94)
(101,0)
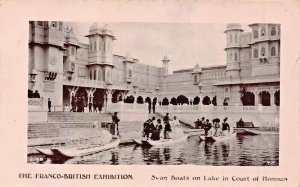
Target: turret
(166,64)
(100,56)
(233,32)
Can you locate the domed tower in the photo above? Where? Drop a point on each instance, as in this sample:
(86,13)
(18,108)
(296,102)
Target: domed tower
(233,32)
(166,64)
(100,55)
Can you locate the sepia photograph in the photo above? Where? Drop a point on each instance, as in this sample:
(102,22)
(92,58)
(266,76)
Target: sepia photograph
(140,93)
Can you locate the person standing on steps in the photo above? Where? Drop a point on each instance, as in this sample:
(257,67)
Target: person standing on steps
(49,105)
(149,106)
(153,106)
(116,120)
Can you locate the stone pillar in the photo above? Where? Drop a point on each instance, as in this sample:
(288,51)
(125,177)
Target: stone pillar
(272,98)
(90,92)
(109,93)
(256,98)
(72,92)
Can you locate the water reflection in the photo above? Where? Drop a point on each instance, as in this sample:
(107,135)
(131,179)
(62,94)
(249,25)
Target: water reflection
(240,151)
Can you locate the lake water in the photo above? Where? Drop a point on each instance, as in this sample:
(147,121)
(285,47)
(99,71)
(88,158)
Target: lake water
(242,150)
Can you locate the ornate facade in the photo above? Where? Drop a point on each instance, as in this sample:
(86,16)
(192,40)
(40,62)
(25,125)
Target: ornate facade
(60,67)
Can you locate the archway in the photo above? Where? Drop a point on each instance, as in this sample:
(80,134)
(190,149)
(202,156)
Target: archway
(196,100)
(206,100)
(139,100)
(154,100)
(147,100)
(116,96)
(248,99)
(165,101)
(129,99)
(277,98)
(264,98)
(182,100)
(173,101)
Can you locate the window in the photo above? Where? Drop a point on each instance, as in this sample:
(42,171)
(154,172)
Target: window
(273,31)
(262,51)
(255,34)
(235,57)
(255,53)
(91,46)
(95,46)
(72,66)
(129,73)
(95,74)
(263,31)
(230,57)
(104,47)
(73,50)
(230,39)
(100,48)
(235,38)
(40,23)
(195,78)
(273,51)
(91,75)
(81,72)
(99,75)
(53,24)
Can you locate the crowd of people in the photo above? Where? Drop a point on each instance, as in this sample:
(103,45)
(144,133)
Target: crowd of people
(153,127)
(79,103)
(214,128)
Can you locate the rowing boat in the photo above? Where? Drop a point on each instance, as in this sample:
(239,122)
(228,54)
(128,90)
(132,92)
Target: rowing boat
(45,151)
(217,138)
(75,152)
(244,130)
(163,142)
(140,141)
(193,132)
(258,132)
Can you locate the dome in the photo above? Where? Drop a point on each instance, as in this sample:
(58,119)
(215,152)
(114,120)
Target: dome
(166,59)
(233,26)
(99,28)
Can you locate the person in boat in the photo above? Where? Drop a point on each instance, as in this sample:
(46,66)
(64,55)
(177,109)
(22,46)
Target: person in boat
(175,122)
(216,125)
(116,120)
(148,127)
(167,130)
(166,118)
(207,127)
(156,132)
(240,123)
(225,127)
(202,124)
(197,124)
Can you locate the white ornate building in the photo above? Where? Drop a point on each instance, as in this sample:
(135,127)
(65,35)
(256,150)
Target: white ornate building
(60,67)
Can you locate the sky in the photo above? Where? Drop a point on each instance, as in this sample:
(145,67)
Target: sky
(185,44)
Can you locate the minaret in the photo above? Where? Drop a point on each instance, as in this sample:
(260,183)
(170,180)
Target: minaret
(100,56)
(233,32)
(166,65)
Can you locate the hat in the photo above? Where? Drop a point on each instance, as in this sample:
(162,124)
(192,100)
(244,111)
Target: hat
(202,118)
(158,120)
